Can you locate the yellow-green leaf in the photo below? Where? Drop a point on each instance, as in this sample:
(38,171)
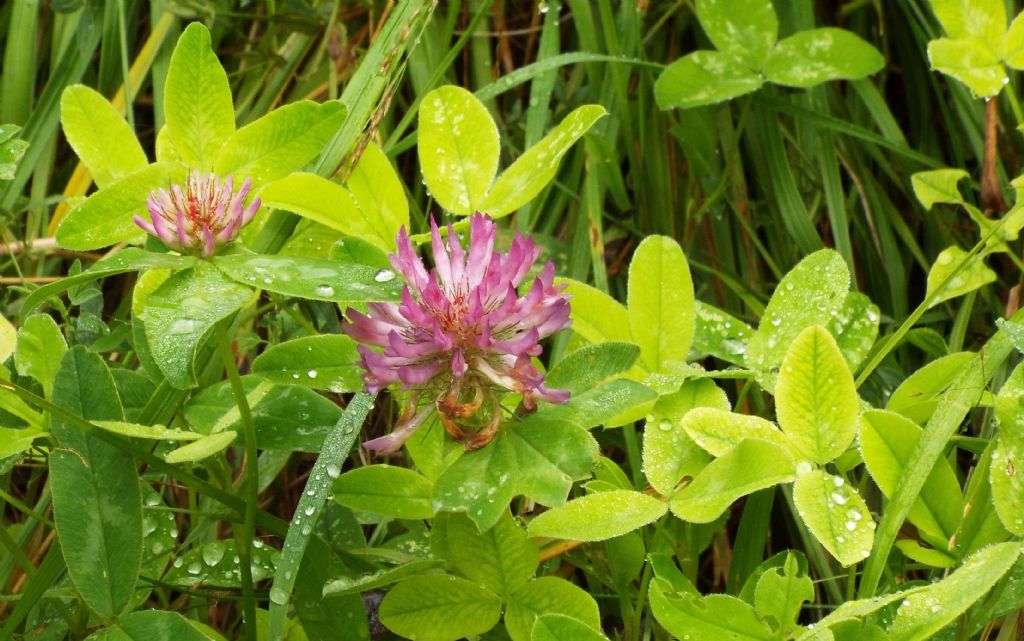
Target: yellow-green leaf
(816,400)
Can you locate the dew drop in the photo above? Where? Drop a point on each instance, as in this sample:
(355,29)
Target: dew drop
(278,596)
(384,276)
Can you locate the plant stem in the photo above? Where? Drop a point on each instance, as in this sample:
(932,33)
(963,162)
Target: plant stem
(249,483)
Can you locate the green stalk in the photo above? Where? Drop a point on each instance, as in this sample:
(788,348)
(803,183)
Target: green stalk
(249,482)
(19,68)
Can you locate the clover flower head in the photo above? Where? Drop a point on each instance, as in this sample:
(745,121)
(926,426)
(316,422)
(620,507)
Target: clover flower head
(203,216)
(462,334)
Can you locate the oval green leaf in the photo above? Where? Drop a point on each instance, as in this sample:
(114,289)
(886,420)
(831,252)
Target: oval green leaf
(97,503)
(703,78)
(835,514)
(887,441)
(501,559)
(556,627)
(750,466)
(537,167)
(384,489)
(197,100)
(592,365)
(379,196)
(99,135)
(181,311)
(598,517)
(818,55)
(105,217)
(312,278)
(660,302)
(318,199)
(718,431)
(325,362)
(815,398)
(548,595)
(807,295)
(281,142)
(439,608)
(458,149)
(39,349)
